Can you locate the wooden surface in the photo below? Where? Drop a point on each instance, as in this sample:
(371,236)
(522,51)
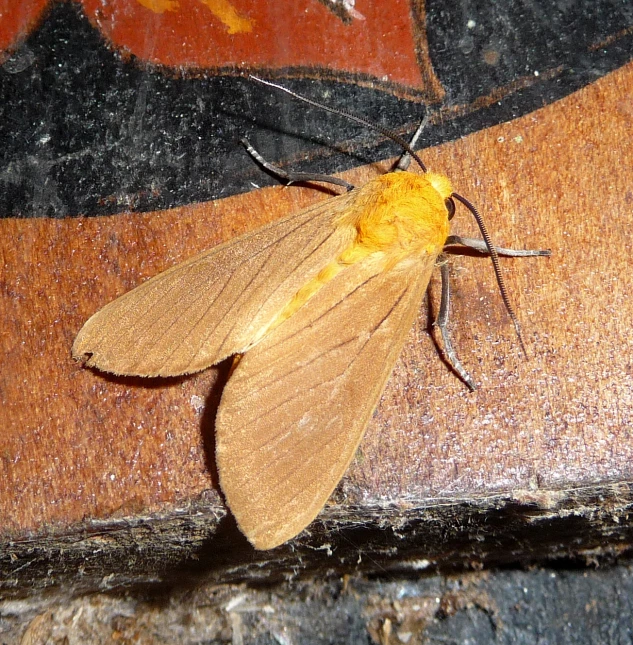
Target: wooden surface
(79,450)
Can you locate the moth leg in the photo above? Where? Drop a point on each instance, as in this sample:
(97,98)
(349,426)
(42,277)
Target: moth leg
(442,324)
(294,177)
(480,246)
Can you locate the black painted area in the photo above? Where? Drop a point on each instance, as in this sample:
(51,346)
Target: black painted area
(85,132)
(478,45)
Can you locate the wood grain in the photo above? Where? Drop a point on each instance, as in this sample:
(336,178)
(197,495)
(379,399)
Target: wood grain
(79,447)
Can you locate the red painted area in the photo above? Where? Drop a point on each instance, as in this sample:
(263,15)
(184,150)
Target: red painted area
(17,19)
(301,33)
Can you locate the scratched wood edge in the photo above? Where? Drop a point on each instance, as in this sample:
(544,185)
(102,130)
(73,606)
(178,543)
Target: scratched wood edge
(200,543)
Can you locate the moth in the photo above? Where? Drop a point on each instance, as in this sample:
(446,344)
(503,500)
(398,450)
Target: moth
(315,309)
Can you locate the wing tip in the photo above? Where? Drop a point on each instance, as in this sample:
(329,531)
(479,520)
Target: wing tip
(264,539)
(79,351)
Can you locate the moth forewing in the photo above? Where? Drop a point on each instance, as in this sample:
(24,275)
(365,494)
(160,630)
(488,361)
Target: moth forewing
(203,310)
(296,408)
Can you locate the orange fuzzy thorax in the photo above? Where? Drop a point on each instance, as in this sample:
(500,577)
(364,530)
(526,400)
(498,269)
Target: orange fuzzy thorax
(397,216)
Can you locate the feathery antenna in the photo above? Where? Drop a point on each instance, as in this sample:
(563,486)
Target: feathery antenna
(495,265)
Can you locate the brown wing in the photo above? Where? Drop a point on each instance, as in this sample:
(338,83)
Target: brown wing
(297,405)
(210,307)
